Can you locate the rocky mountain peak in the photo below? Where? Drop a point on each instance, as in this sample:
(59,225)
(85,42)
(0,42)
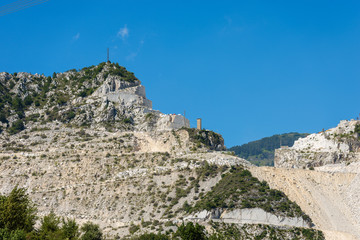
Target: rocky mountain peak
(105,95)
(335,145)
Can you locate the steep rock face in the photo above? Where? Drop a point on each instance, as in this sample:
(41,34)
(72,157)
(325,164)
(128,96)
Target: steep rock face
(248,215)
(125,93)
(336,145)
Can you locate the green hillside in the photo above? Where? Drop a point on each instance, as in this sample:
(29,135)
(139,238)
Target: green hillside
(261,152)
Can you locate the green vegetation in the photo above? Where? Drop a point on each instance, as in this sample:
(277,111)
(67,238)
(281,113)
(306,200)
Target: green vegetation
(190,232)
(17,212)
(261,152)
(239,189)
(357,129)
(91,232)
(16,127)
(117,70)
(52,93)
(258,231)
(210,139)
(223,231)
(18,216)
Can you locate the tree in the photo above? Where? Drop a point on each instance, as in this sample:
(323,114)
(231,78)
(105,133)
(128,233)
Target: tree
(17,103)
(12,235)
(28,100)
(70,229)
(49,228)
(91,232)
(17,211)
(16,127)
(190,232)
(3,118)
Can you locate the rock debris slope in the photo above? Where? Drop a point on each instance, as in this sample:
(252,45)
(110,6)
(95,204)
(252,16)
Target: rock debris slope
(321,174)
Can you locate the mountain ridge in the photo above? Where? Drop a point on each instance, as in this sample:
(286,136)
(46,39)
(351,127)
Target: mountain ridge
(91,148)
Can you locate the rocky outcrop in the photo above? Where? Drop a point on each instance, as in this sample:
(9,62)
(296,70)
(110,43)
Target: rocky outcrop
(125,93)
(336,145)
(106,95)
(247,215)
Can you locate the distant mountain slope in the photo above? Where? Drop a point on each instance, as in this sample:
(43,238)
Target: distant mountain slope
(261,152)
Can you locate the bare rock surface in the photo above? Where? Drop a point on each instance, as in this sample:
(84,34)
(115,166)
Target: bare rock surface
(331,199)
(336,145)
(247,216)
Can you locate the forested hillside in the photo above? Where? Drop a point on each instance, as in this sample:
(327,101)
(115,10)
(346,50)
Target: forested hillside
(261,152)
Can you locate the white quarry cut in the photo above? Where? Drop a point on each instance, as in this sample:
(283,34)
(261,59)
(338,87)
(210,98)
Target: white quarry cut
(333,146)
(247,216)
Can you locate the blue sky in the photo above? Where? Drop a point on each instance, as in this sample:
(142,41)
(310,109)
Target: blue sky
(249,69)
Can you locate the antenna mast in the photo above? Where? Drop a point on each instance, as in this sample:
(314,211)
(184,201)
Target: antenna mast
(108,57)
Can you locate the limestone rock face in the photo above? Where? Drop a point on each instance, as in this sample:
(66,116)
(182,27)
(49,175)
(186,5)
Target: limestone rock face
(336,145)
(106,95)
(125,93)
(247,216)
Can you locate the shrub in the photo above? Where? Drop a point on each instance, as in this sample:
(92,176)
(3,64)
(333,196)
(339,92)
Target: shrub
(191,232)
(357,129)
(152,236)
(70,229)
(17,127)
(3,118)
(28,100)
(133,228)
(70,115)
(91,232)
(49,228)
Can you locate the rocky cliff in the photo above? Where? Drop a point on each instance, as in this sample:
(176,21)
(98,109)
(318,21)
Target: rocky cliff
(106,95)
(337,145)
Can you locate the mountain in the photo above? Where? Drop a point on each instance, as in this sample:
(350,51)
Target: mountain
(261,152)
(321,173)
(337,145)
(87,145)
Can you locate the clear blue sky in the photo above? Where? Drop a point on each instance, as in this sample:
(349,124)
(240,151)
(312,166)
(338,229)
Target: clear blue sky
(249,69)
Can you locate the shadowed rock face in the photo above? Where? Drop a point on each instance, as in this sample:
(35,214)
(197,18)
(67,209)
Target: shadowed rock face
(336,145)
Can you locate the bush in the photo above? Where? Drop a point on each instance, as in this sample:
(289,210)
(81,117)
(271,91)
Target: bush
(128,121)
(191,232)
(133,228)
(49,228)
(17,127)
(70,115)
(28,100)
(17,104)
(91,232)
(152,236)
(3,118)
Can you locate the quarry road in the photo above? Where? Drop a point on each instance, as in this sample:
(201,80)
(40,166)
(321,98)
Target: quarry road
(321,195)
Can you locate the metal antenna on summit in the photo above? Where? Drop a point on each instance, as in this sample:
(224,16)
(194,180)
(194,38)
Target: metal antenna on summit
(108,57)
